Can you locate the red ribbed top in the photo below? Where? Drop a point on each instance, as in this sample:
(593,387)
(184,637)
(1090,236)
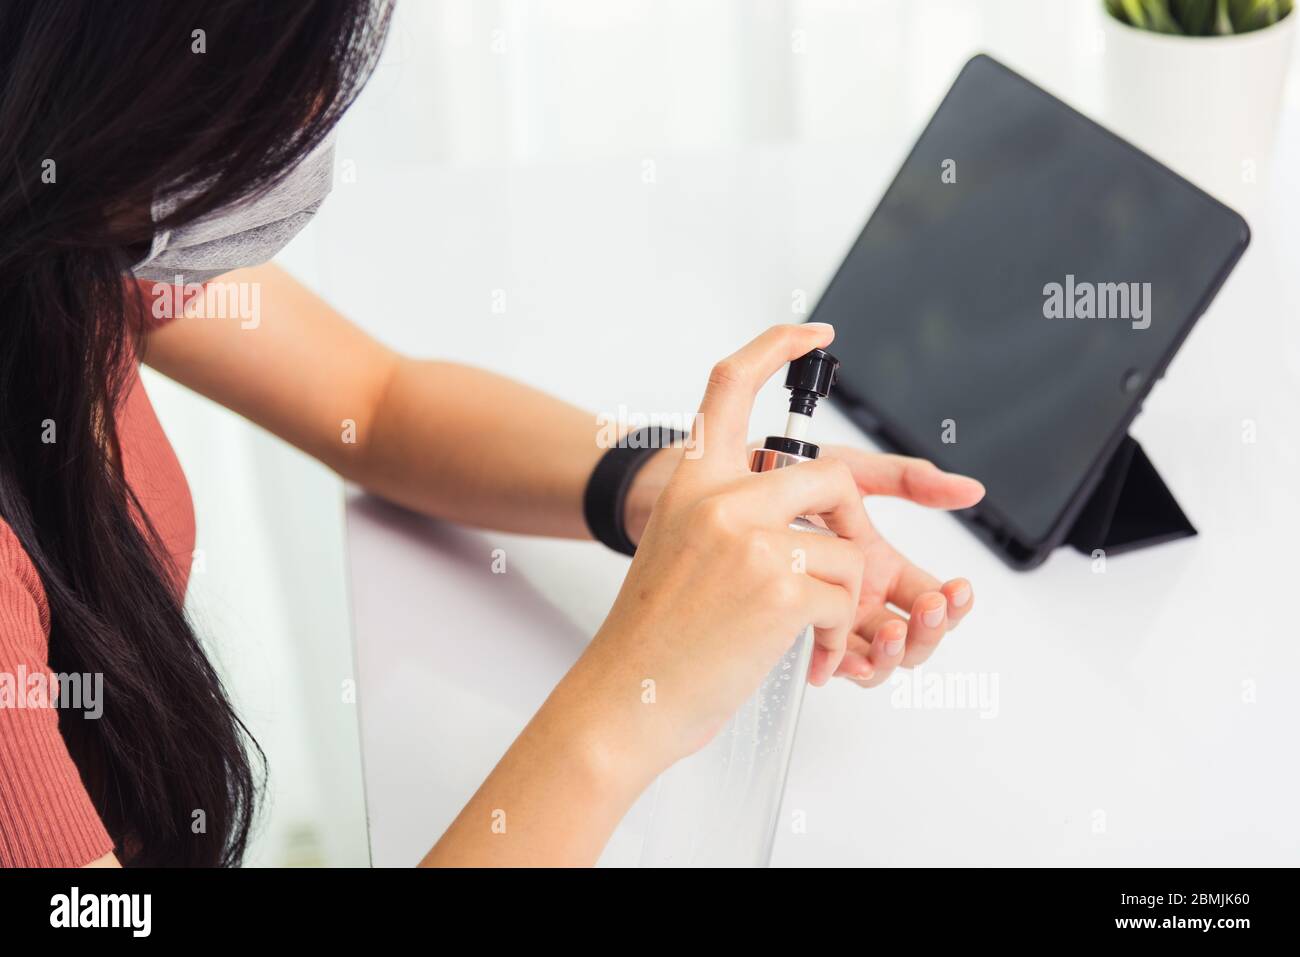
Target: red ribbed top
(46,816)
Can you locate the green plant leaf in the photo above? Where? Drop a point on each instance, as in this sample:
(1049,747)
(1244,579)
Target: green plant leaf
(1116,10)
(1135,13)
(1199,17)
(1249,15)
(1222,21)
(1196,17)
(1159,18)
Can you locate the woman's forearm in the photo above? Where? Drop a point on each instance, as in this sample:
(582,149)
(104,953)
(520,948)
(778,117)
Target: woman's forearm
(476,448)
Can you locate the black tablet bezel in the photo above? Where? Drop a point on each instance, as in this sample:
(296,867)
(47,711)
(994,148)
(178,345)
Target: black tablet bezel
(984,519)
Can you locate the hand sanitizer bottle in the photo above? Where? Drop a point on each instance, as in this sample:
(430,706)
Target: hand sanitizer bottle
(719,806)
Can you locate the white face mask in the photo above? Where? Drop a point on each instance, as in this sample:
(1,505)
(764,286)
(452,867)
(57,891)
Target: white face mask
(247,233)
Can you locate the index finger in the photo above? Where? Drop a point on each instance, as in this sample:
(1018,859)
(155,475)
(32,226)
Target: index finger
(902,476)
(822,487)
(735,381)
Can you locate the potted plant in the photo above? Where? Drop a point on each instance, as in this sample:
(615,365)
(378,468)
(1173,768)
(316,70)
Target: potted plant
(1198,84)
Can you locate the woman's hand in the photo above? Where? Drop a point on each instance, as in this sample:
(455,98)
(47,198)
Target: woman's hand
(881,638)
(721,586)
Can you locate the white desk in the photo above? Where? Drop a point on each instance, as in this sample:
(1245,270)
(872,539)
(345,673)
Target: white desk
(1147,715)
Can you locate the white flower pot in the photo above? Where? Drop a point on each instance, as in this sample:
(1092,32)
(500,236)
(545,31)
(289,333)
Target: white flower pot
(1205,106)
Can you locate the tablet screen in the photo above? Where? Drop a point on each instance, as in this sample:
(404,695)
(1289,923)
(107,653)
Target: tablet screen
(1020,282)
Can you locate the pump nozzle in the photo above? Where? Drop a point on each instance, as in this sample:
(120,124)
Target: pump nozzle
(810,378)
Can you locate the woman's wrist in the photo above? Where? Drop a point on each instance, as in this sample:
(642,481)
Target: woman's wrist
(593,720)
(645,488)
(561,789)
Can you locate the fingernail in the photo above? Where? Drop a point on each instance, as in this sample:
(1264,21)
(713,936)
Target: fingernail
(894,647)
(961,597)
(819,325)
(933,617)
(865,670)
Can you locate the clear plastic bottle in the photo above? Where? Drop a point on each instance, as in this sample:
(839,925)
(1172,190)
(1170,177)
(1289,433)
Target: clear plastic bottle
(719,807)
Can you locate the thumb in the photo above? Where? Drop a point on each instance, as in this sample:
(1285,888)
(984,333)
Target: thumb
(735,381)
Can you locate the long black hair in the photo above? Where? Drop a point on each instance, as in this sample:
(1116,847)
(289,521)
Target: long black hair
(103,106)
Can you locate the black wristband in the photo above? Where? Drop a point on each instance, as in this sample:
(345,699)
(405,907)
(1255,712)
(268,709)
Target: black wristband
(602,503)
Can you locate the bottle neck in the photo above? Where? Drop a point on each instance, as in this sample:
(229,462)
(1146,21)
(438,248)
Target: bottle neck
(765,459)
(782,450)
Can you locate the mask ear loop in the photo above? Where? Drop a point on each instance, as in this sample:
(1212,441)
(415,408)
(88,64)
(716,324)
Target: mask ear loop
(159,209)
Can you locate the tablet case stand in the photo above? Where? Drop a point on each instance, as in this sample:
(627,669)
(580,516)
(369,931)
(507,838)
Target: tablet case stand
(1130,508)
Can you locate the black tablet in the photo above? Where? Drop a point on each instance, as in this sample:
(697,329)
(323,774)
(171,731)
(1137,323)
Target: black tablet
(1026,278)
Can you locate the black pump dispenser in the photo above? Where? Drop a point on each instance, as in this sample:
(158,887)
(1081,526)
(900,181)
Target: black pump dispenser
(809,379)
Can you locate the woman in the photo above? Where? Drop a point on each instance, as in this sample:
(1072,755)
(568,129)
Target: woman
(183,139)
